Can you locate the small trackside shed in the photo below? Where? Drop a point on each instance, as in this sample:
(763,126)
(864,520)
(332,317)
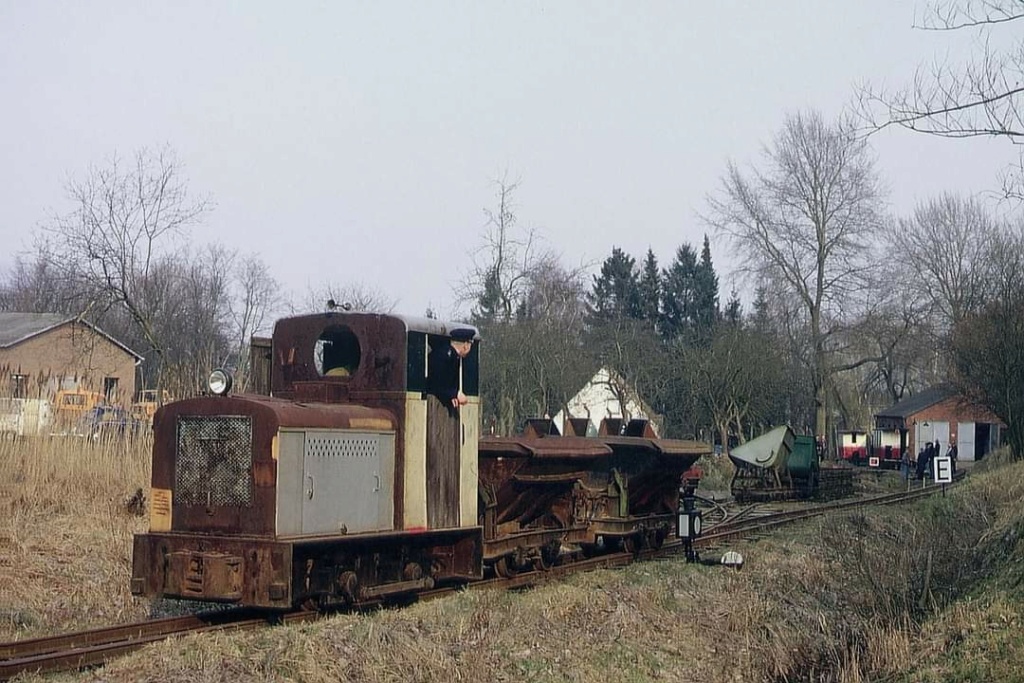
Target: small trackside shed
(940,414)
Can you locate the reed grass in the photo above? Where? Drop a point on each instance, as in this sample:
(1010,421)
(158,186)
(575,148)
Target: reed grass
(66,530)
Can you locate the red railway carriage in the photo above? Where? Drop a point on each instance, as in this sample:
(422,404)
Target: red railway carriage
(855,446)
(874,449)
(352,481)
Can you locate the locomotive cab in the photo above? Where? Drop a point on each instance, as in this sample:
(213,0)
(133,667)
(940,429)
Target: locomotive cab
(383,361)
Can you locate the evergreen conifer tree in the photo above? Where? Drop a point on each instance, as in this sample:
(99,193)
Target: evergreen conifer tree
(650,289)
(615,293)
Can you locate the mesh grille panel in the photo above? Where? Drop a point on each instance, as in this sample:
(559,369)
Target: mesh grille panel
(342,447)
(214,463)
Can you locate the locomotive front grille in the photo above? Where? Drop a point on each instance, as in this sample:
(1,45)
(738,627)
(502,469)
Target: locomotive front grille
(214,461)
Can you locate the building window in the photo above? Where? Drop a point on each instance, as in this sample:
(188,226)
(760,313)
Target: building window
(110,389)
(19,386)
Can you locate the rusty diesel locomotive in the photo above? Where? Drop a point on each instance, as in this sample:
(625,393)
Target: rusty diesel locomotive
(345,479)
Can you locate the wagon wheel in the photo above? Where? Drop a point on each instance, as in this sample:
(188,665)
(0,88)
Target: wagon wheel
(548,556)
(312,604)
(505,567)
(630,544)
(614,544)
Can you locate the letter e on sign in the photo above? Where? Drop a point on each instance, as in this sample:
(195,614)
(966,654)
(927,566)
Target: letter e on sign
(943,470)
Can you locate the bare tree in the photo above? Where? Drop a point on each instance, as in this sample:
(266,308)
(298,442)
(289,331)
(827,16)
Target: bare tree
(988,346)
(353,295)
(536,361)
(187,293)
(202,341)
(808,221)
(980,97)
(555,292)
(532,368)
(934,272)
(734,379)
(34,286)
(945,246)
(256,297)
(125,215)
(897,333)
(502,267)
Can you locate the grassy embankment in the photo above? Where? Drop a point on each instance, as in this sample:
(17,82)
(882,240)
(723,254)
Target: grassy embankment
(930,592)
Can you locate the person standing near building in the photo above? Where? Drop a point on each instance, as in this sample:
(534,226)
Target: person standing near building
(922,461)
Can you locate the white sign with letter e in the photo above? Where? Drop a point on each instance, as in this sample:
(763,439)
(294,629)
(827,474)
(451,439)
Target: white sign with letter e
(943,470)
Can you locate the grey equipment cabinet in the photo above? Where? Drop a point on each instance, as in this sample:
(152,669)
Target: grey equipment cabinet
(333,481)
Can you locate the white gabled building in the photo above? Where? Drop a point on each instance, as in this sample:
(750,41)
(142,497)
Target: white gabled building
(607,395)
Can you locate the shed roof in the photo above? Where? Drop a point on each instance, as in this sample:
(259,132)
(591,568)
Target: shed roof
(918,402)
(18,327)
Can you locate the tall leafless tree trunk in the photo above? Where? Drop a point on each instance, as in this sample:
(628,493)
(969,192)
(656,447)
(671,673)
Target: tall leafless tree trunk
(807,219)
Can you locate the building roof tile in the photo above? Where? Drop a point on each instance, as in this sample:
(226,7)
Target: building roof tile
(17,327)
(918,402)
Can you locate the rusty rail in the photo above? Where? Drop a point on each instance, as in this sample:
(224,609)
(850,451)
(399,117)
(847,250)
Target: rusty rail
(93,647)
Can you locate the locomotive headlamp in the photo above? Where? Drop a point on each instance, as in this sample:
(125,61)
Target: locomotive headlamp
(220,382)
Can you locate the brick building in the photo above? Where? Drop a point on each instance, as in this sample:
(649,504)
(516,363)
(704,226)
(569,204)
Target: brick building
(940,414)
(41,353)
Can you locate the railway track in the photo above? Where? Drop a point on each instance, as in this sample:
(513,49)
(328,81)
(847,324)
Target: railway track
(97,646)
(748,522)
(94,647)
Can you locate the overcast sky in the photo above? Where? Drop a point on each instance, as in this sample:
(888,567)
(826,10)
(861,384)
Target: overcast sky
(360,141)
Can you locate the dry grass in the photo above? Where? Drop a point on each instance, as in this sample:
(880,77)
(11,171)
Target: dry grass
(931,592)
(65,534)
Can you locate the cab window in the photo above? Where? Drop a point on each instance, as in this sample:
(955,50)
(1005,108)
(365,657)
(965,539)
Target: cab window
(337,352)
